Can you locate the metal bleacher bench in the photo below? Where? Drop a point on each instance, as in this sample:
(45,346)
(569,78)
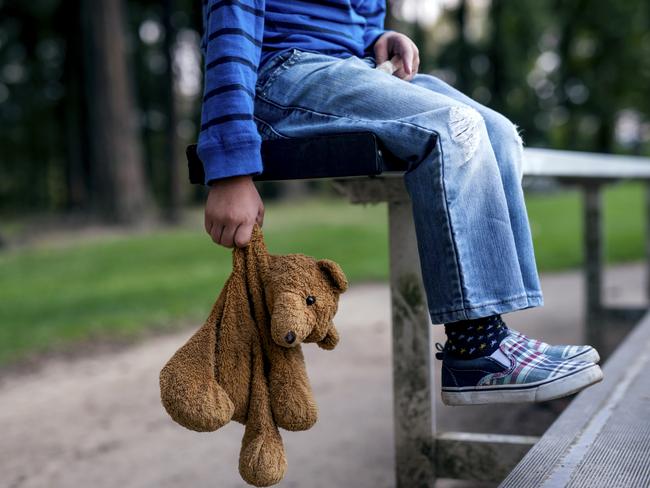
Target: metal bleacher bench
(365,172)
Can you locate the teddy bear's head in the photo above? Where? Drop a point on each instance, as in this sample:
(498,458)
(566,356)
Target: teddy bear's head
(303,295)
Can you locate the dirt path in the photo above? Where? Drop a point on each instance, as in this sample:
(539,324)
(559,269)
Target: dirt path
(97,422)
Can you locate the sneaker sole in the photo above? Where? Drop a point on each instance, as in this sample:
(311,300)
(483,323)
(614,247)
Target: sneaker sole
(529,393)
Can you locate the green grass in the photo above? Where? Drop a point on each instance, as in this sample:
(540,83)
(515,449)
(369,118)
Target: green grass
(556,225)
(119,287)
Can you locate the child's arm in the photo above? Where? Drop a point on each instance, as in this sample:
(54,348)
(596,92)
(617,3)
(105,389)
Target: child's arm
(229,145)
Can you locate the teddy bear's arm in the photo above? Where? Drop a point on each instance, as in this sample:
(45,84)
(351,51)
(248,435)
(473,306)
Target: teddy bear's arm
(292,400)
(330,340)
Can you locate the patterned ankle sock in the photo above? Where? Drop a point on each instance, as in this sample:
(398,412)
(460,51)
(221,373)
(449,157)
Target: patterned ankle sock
(470,339)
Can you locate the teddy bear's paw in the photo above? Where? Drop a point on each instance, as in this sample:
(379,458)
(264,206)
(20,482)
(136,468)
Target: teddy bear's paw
(293,412)
(204,409)
(262,461)
(330,341)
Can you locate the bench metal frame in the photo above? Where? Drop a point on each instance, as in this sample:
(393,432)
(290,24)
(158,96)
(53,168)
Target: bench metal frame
(592,172)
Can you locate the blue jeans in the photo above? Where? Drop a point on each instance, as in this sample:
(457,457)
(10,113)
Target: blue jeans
(464,171)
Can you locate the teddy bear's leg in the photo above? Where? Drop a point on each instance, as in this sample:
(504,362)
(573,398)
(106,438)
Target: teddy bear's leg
(188,388)
(292,400)
(262,461)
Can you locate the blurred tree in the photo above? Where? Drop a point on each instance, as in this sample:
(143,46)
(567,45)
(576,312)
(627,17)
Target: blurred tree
(565,71)
(77,160)
(120,190)
(461,50)
(604,69)
(48,73)
(513,45)
(171,134)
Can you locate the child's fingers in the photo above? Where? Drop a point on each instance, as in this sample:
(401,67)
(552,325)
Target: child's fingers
(405,51)
(399,69)
(391,66)
(416,62)
(215,232)
(402,72)
(208,223)
(228,235)
(381,49)
(397,61)
(243,235)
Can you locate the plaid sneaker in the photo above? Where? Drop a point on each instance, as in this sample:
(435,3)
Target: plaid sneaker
(514,373)
(582,353)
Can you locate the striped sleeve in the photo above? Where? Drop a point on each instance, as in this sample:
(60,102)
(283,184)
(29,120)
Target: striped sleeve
(375,24)
(229,144)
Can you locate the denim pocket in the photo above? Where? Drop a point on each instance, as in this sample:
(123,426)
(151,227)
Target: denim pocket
(273,67)
(267,131)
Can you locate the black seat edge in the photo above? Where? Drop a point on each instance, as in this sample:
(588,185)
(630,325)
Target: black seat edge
(323,156)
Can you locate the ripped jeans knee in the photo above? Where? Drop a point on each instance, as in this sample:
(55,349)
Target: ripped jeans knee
(466,129)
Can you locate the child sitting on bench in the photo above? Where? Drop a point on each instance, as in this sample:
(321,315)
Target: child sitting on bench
(278,69)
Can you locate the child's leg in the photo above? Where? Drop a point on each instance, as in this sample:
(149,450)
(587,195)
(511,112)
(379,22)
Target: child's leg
(464,181)
(507,146)
(468,250)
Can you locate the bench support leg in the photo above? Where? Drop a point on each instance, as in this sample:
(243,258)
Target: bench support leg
(647,239)
(593,263)
(479,457)
(412,355)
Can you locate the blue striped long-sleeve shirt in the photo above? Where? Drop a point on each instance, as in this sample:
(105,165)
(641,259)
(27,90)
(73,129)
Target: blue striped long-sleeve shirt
(241,35)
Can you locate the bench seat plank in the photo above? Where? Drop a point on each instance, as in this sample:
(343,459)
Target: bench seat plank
(584,165)
(358,154)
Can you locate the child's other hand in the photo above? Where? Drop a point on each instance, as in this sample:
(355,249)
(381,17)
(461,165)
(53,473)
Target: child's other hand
(232,209)
(393,44)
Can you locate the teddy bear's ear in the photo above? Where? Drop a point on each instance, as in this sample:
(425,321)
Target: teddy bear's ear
(334,273)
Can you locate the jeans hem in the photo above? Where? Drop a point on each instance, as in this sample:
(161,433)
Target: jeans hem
(518,302)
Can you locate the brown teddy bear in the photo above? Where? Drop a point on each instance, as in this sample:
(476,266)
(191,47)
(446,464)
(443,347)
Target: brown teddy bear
(246,363)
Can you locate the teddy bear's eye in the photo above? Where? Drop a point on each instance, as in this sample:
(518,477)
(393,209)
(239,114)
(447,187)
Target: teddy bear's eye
(311,300)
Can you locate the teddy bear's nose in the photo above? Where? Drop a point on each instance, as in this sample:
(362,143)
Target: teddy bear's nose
(290,337)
